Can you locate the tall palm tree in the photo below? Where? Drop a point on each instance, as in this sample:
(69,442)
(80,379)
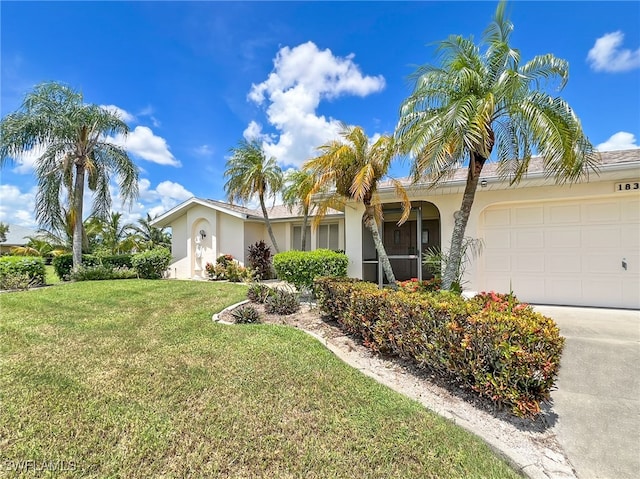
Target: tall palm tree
(149,236)
(477,101)
(354,167)
(72,134)
(298,185)
(250,173)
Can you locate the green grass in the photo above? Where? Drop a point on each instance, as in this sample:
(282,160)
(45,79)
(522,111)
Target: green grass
(51,276)
(131,378)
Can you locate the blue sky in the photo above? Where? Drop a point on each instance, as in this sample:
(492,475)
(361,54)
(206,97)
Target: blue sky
(193,78)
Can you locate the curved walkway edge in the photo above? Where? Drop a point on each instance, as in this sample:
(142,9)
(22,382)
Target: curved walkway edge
(536,455)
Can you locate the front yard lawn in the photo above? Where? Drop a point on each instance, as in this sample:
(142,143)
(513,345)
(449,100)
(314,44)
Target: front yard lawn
(131,378)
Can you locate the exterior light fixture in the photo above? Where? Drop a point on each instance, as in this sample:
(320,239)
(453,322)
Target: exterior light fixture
(483,183)
(203,234)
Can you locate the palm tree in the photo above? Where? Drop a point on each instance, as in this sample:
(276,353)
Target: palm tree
(73,136)
(149,236)
(39,246)
(355,167)
(116,237)
(475,101)
(297,189)
(249,172)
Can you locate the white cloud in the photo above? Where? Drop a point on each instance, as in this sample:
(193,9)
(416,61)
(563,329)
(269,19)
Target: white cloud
(123,114)
(607,56)
(303,76)
(142,142)
(154,201)
(17,207)
(204,150)
(253,131)
(25,163)
(619,141)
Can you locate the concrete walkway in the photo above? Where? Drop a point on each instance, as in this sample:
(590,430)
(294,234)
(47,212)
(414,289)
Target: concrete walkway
(598,395)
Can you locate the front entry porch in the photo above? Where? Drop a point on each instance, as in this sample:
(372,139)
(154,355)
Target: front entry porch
(405,244)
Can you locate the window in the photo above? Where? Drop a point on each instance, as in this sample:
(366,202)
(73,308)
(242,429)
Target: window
(328,237)
(297,238)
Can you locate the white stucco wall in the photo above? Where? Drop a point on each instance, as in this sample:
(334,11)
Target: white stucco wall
(254,232)
(180,266)
(230,234)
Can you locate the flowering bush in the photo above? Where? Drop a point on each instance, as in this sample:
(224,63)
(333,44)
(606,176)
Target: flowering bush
(227,267)
(425,286)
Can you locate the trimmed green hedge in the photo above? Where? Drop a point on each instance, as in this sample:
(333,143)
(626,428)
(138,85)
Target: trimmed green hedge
(21,271)
(152,264)
(63,264)
(493,344)
(301,268)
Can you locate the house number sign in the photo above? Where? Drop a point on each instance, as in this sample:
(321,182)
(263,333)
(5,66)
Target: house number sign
(628,186)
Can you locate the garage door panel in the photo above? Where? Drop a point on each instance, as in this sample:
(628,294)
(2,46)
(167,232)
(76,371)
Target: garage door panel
(630,210)
(496,263)
(563,238)
(529,263)
(497,239)
(561,290)
(602,263)
(497,217)
(531,215)
(529,238)
(630,237)
(603,237)
(631,292)
(563,214)
(563,263)
(602,212)
(608,289)
(530,289)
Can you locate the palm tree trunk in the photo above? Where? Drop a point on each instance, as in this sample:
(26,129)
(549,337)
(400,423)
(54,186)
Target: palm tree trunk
(305,221)
(452,266)
(78,194)
(370,223)
(268,223)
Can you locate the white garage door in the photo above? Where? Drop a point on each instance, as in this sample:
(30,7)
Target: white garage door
(564,252)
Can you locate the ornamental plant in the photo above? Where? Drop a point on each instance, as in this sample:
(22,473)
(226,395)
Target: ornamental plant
(492,344)
(21,272)
(301,268)
(151,264)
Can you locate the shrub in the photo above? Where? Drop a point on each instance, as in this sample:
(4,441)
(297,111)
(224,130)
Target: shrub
(280,301)
(117,261)
(15,280)
(492,344)
(257,292)
(21,272)
(227,267)
(151,264)
(102,272)
(300,268)
(246,315)
(425,286)
(333,295)
(63,264)
(260,260)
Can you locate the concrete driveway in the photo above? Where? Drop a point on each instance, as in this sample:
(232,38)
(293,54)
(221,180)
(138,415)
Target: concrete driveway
(598,395)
